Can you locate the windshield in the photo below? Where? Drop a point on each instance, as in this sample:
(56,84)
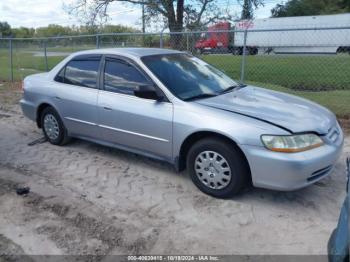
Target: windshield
(187,76)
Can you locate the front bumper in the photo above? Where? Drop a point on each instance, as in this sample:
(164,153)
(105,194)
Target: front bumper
(292,171)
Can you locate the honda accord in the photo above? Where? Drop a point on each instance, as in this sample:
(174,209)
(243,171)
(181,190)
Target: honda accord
(172,106)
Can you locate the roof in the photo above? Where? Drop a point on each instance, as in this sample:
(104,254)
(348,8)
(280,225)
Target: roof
(135,52)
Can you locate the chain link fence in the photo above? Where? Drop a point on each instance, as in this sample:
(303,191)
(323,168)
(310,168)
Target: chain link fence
(310,62)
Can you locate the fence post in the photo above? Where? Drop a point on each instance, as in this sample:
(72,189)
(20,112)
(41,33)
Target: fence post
(192,42)
(11,60)
(45,53)
(97,41)
(187,41)
(161,40)
(243,64)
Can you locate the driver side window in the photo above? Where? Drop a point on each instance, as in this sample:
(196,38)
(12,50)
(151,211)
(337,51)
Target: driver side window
(122,77)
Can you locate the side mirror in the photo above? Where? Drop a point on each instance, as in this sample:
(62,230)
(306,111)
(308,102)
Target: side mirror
(147,92)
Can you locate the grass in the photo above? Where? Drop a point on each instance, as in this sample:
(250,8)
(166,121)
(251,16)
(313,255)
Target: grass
(338,101)
(24,63)
(322,79)
(312,73)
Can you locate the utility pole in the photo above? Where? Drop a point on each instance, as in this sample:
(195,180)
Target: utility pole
(143,25)
(143,19)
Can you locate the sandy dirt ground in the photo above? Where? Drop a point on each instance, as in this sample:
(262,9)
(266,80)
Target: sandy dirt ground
(90,199)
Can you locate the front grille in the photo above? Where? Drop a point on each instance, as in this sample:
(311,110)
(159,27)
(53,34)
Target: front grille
(320,173)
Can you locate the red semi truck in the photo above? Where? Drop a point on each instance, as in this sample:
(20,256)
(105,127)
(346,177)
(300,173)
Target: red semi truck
(279,36)
(218,39)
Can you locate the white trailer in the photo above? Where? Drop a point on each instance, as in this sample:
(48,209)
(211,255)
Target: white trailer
(303,34)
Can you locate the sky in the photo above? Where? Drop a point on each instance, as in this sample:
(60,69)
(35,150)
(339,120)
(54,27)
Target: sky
(36,13)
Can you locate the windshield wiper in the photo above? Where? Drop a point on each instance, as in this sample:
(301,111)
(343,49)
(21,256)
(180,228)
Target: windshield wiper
(230,88)
(200,96)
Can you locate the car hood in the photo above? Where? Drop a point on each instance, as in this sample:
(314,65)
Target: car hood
(286,111)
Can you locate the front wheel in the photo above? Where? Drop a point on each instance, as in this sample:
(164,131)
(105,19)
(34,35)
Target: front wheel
(217,168)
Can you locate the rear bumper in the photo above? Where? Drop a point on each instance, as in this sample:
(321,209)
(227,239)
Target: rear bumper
(287,172)
(28,109)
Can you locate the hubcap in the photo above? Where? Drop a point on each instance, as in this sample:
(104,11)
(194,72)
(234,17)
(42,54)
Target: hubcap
(51,126)
(212,169)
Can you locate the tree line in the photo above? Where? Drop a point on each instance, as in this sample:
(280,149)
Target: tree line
(57,30)
(310,7)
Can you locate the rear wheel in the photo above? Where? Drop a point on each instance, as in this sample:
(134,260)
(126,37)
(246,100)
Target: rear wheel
(217,168)
(53,127)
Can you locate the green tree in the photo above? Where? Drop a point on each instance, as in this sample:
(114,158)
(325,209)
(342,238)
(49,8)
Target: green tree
(5,29)
(116,29)
(23,32)
(248,8)
(53,30)
(345,4)
(310,7)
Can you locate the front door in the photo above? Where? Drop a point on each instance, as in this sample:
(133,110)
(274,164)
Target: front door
(124,119)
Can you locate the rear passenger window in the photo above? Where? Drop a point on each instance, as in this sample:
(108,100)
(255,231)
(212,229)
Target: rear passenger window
(80,72)
(122,77)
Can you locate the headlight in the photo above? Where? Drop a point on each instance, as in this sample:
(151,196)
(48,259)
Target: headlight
(291,144)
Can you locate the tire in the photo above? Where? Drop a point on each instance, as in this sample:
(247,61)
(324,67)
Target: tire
(215,173)
(50,120)
(199,51)
(237,51)
(254,51)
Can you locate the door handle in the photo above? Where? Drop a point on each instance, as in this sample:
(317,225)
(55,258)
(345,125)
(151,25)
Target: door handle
(57,97)
(107,108)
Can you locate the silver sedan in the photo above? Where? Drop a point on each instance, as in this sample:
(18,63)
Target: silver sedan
(175,107)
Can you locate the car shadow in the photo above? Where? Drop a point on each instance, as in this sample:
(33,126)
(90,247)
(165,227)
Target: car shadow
(122,155)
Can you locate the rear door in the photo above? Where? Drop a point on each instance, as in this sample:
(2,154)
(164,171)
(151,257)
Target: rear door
(75,94)
(124,119)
